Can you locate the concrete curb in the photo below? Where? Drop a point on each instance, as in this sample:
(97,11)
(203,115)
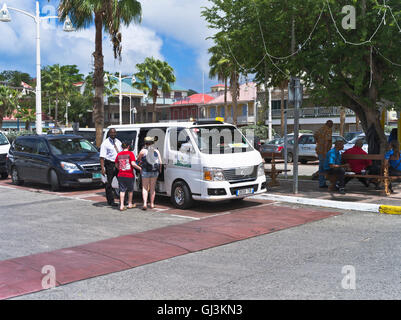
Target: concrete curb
(355,206)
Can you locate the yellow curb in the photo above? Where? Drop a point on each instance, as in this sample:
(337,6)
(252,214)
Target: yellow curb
(390,209)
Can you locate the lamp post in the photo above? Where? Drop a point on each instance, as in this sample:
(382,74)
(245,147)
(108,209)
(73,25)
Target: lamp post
(120,80)
(5,17)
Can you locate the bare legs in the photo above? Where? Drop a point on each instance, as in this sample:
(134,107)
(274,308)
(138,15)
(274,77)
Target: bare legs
(122,196)
(148,189)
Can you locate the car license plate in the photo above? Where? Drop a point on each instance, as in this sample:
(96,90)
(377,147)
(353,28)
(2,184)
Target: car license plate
(96,175)
(242,192)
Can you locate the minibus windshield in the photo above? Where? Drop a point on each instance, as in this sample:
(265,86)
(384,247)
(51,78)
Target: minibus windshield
(220,140)
(71,146)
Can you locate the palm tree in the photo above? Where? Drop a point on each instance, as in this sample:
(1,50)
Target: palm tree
(231,70)
(8,102)
(107,15)
(152,75)
(58,82)
(219,68)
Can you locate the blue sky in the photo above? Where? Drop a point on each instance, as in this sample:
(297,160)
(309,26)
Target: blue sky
(171,30)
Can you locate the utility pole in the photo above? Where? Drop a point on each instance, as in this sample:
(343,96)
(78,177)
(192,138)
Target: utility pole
(295,91)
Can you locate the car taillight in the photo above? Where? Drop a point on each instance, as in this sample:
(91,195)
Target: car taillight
(279,149)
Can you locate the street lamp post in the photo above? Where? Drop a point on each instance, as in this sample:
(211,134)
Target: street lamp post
(120,80)
(5,17)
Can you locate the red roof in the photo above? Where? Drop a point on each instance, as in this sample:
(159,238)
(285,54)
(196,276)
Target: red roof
(218,85)
(197,98)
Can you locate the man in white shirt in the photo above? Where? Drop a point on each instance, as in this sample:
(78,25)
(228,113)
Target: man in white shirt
(108,153)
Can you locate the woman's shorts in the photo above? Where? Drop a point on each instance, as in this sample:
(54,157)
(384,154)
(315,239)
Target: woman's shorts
(151,174)
(125,184)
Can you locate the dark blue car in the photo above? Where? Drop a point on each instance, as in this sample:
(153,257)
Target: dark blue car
(57,160)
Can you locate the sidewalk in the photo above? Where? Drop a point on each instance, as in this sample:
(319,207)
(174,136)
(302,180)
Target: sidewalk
(357,196)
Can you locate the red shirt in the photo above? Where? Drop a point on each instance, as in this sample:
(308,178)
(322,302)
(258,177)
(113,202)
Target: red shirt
(357,165)
(124,159)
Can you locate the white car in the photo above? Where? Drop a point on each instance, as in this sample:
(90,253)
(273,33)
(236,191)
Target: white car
(365,146)
(4,147)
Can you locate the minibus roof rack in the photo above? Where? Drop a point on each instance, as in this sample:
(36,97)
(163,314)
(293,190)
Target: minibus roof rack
(200,122)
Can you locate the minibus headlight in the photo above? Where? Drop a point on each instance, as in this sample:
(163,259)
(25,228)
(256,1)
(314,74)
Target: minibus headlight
(213,174)
(70,167)
(261,170)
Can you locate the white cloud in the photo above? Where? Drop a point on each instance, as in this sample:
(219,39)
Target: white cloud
(77,47)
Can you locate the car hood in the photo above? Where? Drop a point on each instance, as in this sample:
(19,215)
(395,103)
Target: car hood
(81,158)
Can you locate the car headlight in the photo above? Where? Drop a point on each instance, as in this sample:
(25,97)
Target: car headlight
(261,170)
(213,174)
(70,167)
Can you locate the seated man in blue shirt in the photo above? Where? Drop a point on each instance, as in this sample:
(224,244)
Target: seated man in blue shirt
(393,159)
(333,165)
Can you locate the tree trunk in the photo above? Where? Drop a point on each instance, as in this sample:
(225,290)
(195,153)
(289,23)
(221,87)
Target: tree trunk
(98,80)
(234,92)
(154,90)
(1,116)
(342,121)
(225,99)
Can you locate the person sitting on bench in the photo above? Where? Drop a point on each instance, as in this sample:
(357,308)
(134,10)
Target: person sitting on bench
(333,165)
(360,165)
(394,160)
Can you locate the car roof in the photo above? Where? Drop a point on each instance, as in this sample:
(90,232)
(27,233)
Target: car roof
(50,136)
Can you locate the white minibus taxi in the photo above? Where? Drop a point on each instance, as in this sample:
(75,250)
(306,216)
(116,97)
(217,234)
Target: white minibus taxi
(202,160)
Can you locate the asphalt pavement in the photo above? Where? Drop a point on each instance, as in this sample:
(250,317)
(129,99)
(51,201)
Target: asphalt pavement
(344,255)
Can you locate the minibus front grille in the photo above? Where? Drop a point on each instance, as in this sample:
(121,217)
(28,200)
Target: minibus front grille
(242,174)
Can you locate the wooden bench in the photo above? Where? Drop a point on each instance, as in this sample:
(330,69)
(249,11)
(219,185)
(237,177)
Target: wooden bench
(273,172)
(382,177)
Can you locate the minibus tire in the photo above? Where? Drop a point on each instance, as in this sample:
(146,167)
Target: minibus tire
(181,195)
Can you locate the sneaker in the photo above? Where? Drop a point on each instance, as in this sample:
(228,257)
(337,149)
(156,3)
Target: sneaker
(341,190)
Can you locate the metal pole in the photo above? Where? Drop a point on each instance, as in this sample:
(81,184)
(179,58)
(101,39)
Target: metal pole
(270,115)
(285,142)
(130,111)
(38,74)
(297,102)
(121,99)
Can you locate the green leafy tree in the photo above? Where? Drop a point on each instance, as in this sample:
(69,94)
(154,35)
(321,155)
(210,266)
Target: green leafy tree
(58,84)
(14,78)
(152,75)
(8,102)
(108,15)
(356,68)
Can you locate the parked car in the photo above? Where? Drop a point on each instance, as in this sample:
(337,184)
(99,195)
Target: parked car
(307,148)
(276,147)
(365,146)
(57,160)
(351,135)
(4,147)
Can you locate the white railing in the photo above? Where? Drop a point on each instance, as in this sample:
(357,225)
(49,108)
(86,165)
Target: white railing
(316,112)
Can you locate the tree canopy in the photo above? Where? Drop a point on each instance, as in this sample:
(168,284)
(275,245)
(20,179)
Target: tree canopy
(356,68)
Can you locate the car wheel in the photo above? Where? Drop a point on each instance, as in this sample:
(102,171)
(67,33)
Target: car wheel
(181,195)
(15,177)
(54,181)
(289,157)
(4,175)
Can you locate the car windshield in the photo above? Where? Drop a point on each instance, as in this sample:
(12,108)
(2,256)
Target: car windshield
(276,141)
(354,140)
(71,146)
(220,139)
(3,139)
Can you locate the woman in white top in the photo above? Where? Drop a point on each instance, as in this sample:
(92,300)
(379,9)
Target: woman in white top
(150,162)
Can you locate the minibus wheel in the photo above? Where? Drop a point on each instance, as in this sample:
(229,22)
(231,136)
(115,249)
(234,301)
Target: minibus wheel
(181,195)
